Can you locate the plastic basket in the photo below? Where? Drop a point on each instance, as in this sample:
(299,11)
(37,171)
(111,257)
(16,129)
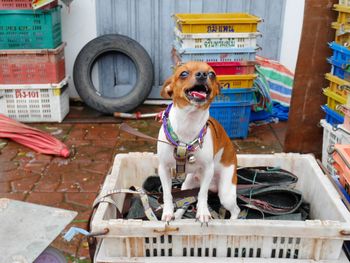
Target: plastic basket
(233,68)
(343,14)
(346,111)
(244,96)
(340,53)
(217,40)
(233,116)
(29,66)
(336,85)
(35,103)
(216,23)
(22,4)
(332,134)
(223,240)
(332,117)
(236,81)
(30,29)
(340,70)
(344,2)
(333,100)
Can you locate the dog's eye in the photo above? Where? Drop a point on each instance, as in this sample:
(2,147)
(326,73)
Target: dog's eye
(211,75)
(184,74)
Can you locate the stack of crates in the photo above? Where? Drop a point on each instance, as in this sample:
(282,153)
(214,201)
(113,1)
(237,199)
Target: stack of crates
(336,133)
(33,84)
(227,42)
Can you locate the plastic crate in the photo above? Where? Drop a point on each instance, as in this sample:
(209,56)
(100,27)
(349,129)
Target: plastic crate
(29,66)
(343,14)
(245,96)
(332,134)
(249,241)
(337,84)
(332,117)
(35,103)
(341,155)
(30,29)
(23,5)
(340,70)
(215,55)
(236,81)
(346,111)
(340,53)
(216,23)
(233,68)
(333,100)
(217,40)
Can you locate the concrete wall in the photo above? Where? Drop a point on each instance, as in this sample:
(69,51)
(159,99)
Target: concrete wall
(79,27)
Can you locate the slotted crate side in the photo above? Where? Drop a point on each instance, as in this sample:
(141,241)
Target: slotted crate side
(339,70)
(35,103)
(333,100)
(332,117)
(236,81)
(240,96)
(314,239)
(32,66)
(233,68)
(344,2)
(30,29)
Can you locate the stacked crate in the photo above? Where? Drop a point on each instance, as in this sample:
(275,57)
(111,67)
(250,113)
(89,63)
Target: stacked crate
(336,133)
(33,85)
(227,42)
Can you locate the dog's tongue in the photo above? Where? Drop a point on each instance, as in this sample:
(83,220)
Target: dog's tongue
(199,95)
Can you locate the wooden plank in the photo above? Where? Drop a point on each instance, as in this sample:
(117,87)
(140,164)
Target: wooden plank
(303,134)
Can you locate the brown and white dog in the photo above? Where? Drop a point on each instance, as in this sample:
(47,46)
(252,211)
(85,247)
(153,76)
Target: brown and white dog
(192,88)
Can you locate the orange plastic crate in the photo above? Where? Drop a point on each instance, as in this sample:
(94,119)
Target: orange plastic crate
(36,66)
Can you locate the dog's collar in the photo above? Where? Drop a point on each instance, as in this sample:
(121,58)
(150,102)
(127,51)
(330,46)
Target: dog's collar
(174,139)
(181,150)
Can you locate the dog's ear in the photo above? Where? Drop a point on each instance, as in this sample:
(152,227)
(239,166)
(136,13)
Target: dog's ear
(217,87)
(167,89)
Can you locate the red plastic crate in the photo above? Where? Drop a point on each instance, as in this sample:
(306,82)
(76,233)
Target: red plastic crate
(36,66)
(233,68)
(22,4)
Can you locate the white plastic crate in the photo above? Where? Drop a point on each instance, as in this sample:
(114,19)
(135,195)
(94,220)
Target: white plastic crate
(332,136)
(35,102)
(217,40)
(344,2)
(224,240)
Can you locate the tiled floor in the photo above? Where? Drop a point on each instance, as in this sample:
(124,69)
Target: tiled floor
(73,183)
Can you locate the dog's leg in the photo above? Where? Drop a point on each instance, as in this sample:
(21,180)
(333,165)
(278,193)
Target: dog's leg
(203,214)
(227,191)
(165,178)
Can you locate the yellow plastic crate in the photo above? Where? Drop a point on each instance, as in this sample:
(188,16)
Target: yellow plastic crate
(236,81)
(333,100)
(335,85)
(343,14)
(341,35)
(216,23)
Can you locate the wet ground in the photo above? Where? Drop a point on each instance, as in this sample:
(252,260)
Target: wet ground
(94,140)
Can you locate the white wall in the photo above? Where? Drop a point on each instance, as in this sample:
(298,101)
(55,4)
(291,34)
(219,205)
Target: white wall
(78,28)
(293,21)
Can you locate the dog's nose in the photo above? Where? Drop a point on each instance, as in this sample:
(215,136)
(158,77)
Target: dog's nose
(200,75)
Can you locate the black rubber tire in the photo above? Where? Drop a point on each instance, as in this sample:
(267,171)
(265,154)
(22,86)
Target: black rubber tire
(91,52)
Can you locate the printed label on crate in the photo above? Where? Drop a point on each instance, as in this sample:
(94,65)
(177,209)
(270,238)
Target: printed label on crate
(222,98)
(220,28)
(230,42)
(26,94)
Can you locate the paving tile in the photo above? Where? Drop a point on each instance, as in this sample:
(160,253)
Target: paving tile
(14,196)
(81,199)
(47,183)
(50,199)
(5,187)
(7,166)
(7,153)
(103,131)
(15,175)
(25,184)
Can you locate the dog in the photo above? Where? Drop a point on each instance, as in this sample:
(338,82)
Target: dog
(209,161)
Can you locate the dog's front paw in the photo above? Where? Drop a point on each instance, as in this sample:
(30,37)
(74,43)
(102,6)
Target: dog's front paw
(203,214)
(168,214)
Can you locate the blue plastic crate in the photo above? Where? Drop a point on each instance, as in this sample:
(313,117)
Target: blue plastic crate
(236,95)
(332,117)
(234,117)
(341,54)
(339,69)
(215,54)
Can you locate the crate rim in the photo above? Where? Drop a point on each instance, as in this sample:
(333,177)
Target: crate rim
(59,85)
(336,79)
(213,50)
(341,8)
(216,35)
(237,77)
(332,95)
(34,51)
(29,11)
(220,18)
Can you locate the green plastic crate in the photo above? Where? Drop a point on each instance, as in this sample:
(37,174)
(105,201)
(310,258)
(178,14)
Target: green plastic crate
(30,29)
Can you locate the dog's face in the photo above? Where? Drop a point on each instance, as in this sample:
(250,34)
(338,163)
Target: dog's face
(192,83)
